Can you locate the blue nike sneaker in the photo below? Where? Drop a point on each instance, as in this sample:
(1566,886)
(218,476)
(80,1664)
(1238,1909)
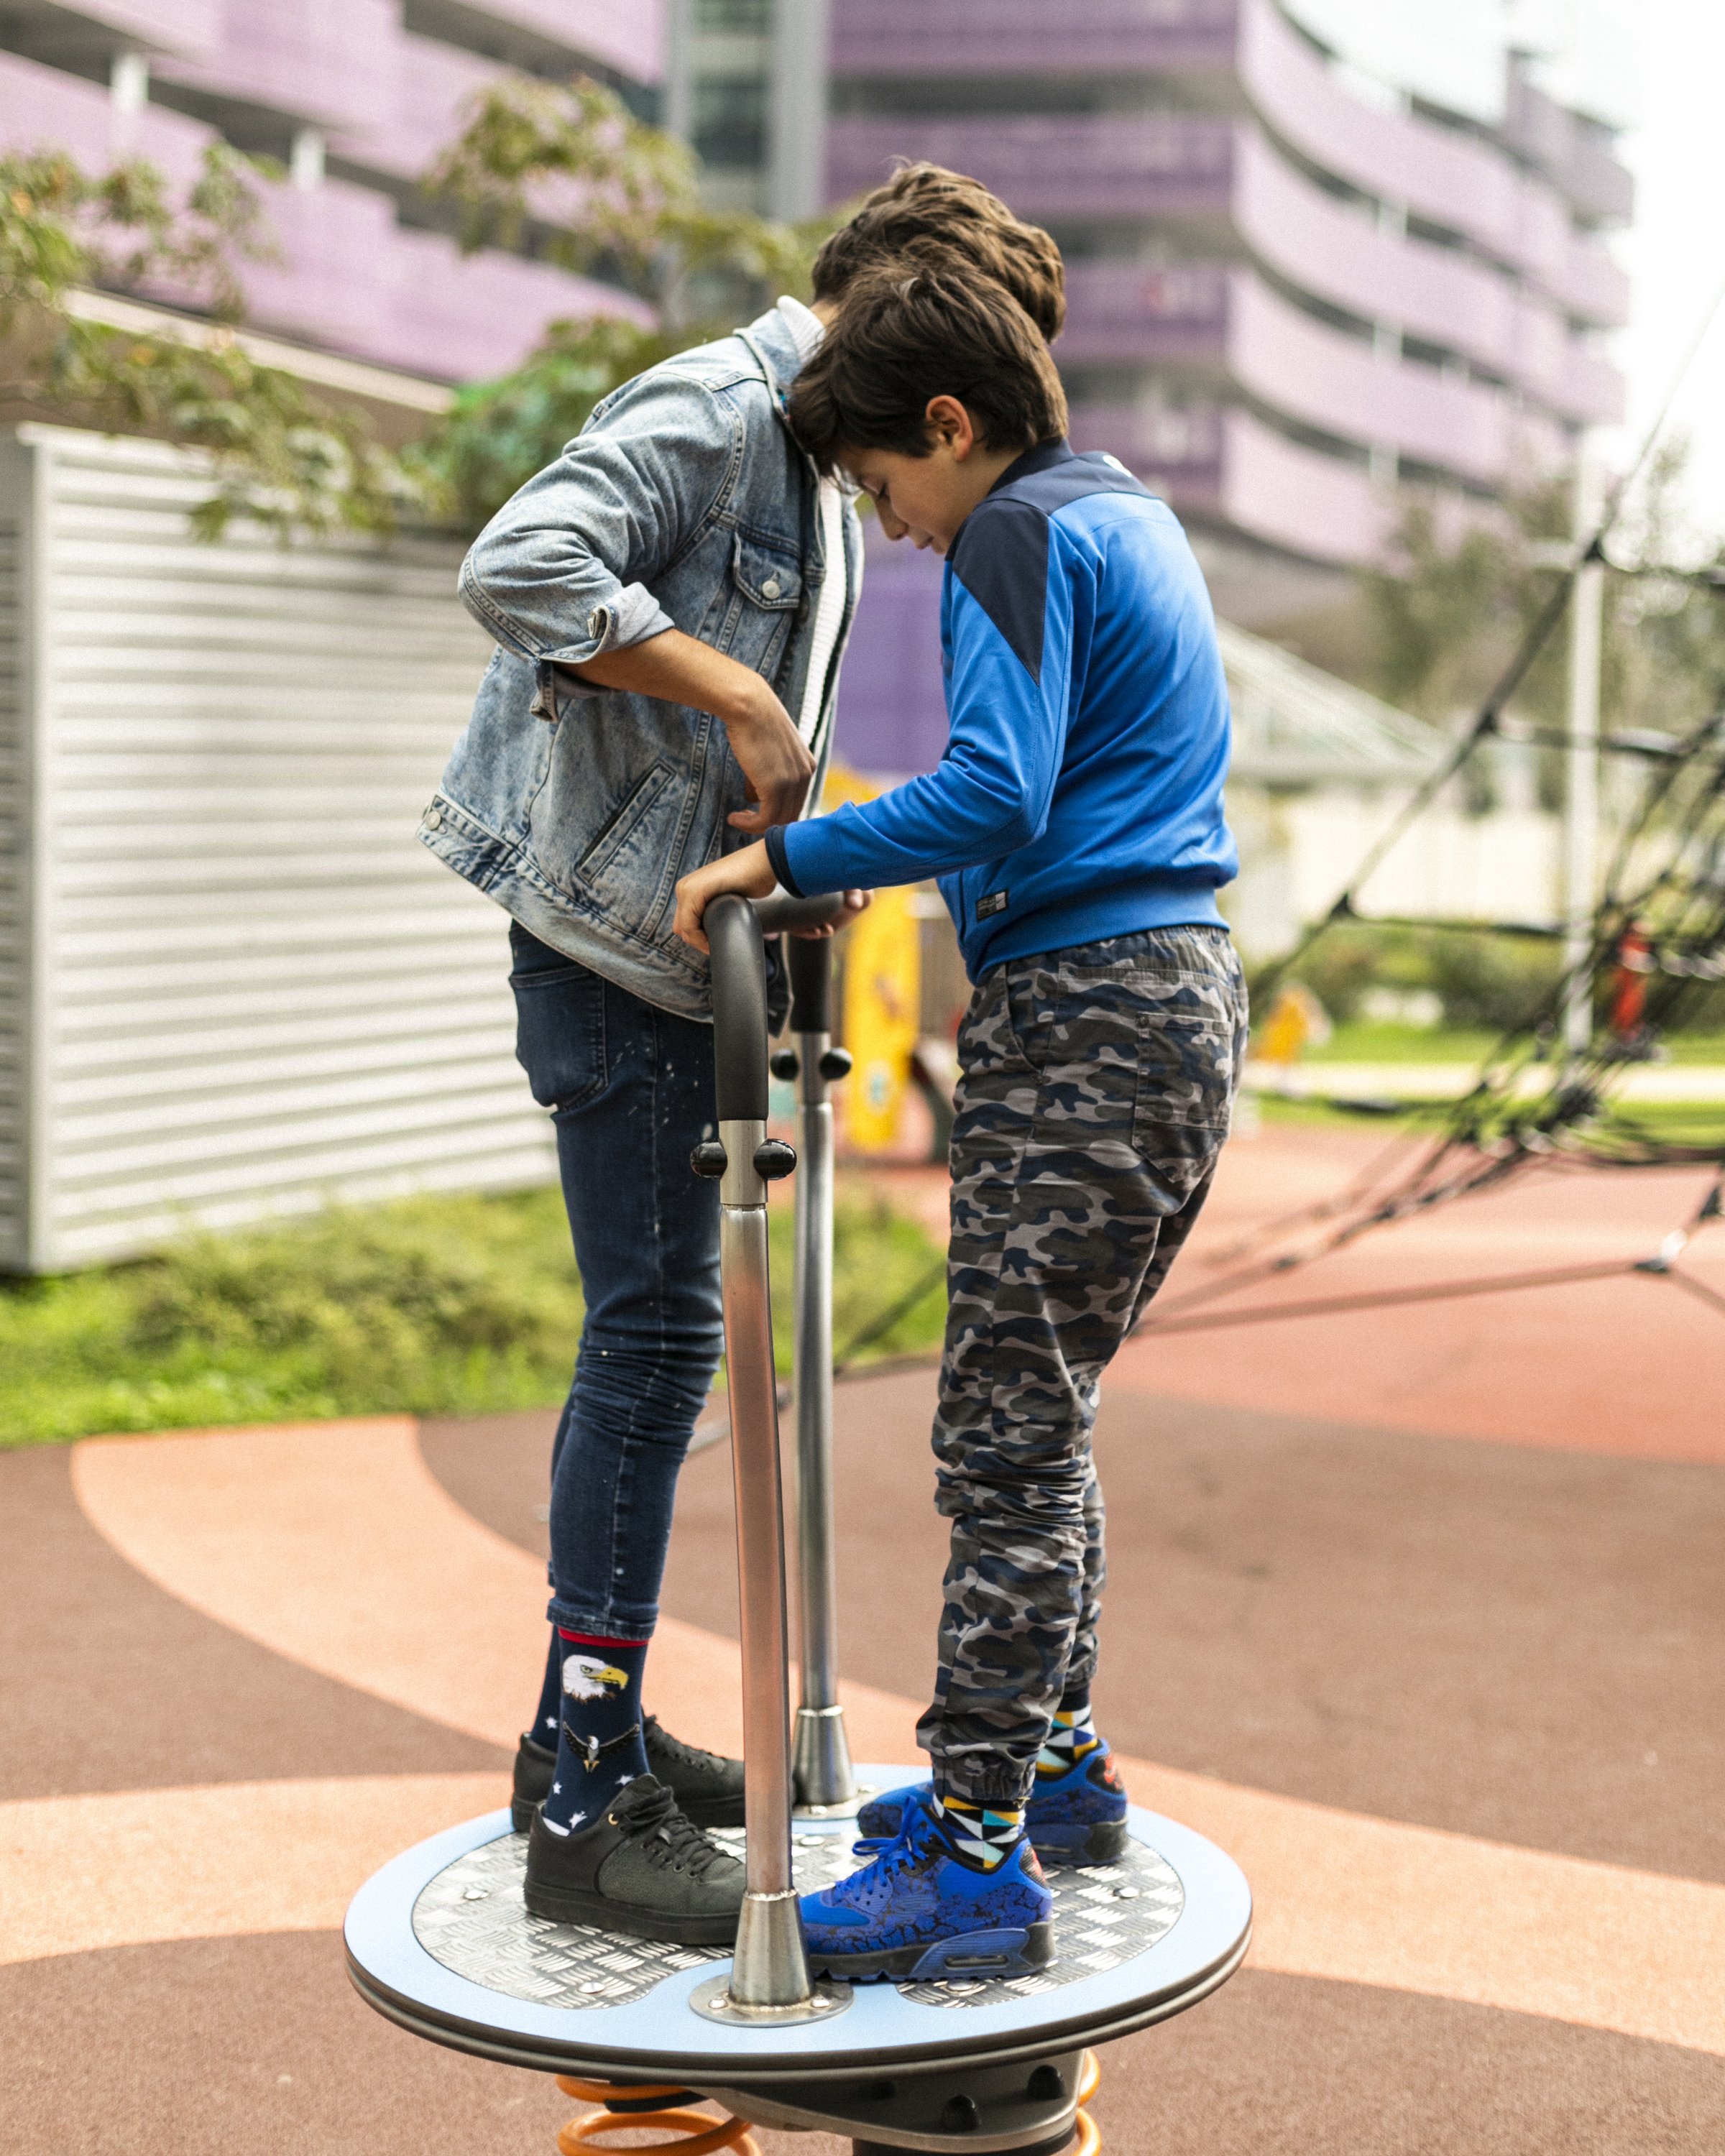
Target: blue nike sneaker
(1077,1814)
(918,1914)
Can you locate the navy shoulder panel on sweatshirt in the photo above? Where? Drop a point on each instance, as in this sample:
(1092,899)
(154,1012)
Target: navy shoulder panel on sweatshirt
(1001,553)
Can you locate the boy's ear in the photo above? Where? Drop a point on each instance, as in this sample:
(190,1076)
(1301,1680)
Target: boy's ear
(950,427)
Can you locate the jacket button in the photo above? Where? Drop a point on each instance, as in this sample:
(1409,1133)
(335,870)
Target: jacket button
(596,622)
(433,819)
(770,588)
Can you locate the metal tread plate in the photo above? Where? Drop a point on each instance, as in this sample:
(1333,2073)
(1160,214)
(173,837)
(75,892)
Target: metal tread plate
(470,1918)
(440,1941)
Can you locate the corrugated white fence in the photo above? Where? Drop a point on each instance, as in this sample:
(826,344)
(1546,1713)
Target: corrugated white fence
(231,980)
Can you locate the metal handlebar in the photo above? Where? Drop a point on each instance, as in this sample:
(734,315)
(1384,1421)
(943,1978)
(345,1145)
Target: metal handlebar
(769,1977)
(776,915)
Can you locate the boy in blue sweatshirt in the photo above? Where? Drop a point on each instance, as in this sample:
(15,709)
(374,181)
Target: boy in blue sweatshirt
(1075,824)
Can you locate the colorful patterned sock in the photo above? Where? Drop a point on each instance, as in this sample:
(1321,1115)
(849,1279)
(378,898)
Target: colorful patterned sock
(980,1836)
(1071,1737)
(544,1728)
(600,1743)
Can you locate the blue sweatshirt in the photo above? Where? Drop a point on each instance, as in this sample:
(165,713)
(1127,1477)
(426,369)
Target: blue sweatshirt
(1081,792)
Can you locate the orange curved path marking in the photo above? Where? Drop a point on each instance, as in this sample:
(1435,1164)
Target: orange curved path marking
(334,1545)
(138,1866)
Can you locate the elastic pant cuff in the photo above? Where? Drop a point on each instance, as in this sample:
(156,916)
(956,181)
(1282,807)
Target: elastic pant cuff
(997,1786)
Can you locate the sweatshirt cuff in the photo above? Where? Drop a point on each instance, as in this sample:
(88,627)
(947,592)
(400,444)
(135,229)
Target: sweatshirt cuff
(776,853)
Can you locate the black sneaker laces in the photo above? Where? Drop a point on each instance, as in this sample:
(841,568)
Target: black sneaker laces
(679,1754)
(666,1837)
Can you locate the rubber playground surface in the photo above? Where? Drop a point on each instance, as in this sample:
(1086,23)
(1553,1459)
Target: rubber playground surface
(1417,1610)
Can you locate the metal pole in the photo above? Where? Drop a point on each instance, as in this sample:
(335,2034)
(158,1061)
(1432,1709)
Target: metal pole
(769,1977)
(1581,825)
(825,1781)
(770,1970)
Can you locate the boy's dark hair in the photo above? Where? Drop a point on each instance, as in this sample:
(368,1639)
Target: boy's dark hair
(934,218)
(905,334)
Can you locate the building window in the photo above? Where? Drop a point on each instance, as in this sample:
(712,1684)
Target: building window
(754,17)
(729,127)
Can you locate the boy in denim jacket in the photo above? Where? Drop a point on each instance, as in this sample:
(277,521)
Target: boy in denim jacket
(1075,823)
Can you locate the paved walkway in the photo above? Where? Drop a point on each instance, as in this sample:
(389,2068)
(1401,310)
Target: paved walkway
(1422,1621)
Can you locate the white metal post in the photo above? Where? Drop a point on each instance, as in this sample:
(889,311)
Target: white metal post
(1581,823)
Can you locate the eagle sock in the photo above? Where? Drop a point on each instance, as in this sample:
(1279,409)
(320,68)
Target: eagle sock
(599,1743)
(544,1729)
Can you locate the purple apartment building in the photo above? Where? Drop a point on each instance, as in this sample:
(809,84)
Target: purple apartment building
(1292,286)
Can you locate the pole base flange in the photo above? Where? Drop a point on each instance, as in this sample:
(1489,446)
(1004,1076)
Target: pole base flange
(821,1764)
(713,2002)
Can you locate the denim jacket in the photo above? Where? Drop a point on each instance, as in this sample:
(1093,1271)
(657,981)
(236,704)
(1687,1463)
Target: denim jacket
(683,503)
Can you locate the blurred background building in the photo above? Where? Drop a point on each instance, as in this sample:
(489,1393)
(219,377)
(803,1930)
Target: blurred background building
(1317,249)
(355,98)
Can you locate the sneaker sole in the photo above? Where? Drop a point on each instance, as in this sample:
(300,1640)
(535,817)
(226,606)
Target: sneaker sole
(569,1905)
(974,1955)
(1101,1842)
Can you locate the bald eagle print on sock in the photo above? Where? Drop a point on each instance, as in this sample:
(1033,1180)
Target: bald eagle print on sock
(586,1677)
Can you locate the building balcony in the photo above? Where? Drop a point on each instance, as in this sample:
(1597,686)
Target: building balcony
(79,32)
(327,67)
(886,37)
(628,35)
(421,115)
(351,277)
(1123,313)
(1157,165)
(1228,326)
(1448,180)
(1214,464)
(1441,297)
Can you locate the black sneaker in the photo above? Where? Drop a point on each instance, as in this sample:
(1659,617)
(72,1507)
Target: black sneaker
(535,1769)
(708,1788)
(642,1870)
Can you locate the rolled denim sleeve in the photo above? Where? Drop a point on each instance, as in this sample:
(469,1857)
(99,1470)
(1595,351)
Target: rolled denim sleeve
(563,571)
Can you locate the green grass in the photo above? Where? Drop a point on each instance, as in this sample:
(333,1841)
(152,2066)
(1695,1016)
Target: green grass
(431,1306)
(1360,1042)
(1364,1043)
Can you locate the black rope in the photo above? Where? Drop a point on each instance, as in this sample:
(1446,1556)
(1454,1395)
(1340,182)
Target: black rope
(1259,1314)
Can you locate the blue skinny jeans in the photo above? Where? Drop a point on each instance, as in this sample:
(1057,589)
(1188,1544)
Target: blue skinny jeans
(631,1090)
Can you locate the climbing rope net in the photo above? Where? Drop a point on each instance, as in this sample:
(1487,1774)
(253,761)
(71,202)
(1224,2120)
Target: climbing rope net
(1532,1106)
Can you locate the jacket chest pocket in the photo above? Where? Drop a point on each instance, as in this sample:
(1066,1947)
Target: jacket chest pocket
(765,596)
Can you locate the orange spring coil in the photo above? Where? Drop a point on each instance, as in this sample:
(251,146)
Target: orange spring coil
(1089,2080)
(698,2135)
(692,2133)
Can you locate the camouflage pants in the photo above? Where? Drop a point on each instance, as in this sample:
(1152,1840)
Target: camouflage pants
(1094,1097)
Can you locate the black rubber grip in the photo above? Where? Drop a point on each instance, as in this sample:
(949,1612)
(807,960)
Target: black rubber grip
(778,914)
(739,1009)
(809,962)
